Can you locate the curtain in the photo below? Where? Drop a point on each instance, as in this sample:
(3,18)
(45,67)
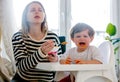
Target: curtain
(7,24)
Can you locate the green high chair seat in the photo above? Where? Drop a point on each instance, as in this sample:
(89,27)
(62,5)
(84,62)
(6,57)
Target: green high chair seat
(62,39)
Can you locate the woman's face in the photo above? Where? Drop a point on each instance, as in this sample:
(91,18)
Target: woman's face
(82,40)
(35,13)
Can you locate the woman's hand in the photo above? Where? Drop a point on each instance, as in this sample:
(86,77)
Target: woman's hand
(53,57)
(47,46)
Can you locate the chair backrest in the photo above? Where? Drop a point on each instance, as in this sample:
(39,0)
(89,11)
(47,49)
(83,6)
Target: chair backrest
(107,51)
(62,39)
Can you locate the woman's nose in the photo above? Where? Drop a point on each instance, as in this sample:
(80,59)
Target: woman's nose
(36,11)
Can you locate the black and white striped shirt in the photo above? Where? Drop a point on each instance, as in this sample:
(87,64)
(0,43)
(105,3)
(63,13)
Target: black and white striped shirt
(27,55)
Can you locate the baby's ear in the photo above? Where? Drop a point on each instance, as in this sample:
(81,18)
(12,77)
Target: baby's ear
(72,39)
(92,38)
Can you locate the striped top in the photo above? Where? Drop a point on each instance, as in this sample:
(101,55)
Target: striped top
(27,55)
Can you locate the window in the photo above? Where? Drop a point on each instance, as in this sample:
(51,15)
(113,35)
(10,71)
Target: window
(96,13)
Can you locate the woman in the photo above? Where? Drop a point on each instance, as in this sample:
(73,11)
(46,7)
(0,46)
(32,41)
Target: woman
(32,44)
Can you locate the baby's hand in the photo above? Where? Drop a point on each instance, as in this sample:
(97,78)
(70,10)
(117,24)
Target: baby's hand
(66,61)
(80,61)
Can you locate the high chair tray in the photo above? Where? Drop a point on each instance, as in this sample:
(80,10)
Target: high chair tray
(71,67)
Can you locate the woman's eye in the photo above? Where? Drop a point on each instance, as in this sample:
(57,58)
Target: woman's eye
(32,10)
(40,10)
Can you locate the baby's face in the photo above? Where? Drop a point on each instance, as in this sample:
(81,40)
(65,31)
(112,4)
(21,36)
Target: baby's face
(82,40)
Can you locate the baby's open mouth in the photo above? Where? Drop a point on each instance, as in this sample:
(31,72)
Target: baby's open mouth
(82,43)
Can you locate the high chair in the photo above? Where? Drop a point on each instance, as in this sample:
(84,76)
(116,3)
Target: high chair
(91,72)
(106,71)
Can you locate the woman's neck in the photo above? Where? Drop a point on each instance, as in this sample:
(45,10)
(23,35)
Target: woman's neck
(35,32)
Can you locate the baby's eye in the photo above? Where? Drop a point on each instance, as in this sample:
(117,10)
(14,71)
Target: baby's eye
(85,36)
(78,36)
